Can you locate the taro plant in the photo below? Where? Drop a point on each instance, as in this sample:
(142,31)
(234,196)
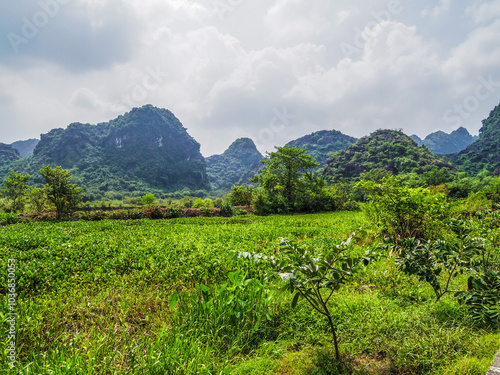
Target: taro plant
(314,277)
(230,316)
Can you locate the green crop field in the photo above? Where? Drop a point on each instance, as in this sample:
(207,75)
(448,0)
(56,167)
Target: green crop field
(96,298)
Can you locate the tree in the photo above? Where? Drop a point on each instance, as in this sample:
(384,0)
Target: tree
(241,195)
(16,188)
(288,172)
(60,191)
(37,199)
(148,200)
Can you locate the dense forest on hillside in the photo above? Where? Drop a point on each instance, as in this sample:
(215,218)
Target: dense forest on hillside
(390,151)
(483,154)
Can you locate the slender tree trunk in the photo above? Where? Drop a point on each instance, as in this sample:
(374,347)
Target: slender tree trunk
(334,333)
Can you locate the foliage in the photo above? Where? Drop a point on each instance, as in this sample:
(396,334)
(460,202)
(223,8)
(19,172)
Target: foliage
(60,191)
(483,297)
(203,203)
(16,188)
(307,275)
(429,259)
(88,289)
(148,200)
(38,199)
(403,212)
(234,312)
(288,185)
(241,195)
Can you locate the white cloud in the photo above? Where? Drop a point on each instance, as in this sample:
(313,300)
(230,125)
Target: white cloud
(442,7)
(297,20)
(484,12)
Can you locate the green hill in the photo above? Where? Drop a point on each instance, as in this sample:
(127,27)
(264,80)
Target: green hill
(388,150)
(8,154)
(146,149)
(239,163)
(322,143)
(485,152)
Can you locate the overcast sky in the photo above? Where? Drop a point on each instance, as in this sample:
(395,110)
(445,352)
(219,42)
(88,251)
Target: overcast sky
(271,70)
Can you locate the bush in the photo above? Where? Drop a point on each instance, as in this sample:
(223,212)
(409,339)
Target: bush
(241,195)
(148,200)
(402,212)
(227,210)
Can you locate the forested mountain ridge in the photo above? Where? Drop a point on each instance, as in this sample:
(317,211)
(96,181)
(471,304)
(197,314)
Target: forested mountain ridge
(387,150)
(145,149)
(239,163)
(322,143)
(485,152)
(443,143)
(8,154)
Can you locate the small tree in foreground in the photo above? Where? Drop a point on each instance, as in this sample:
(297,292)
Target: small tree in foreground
(59,189)
(315,277)
(16,188)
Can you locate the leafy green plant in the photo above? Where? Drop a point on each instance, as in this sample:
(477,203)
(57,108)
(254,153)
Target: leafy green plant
(148,200)
(16,189)
(230,315)
(403,212)
(483,297)
(430,259)
(59,189)
(308,276)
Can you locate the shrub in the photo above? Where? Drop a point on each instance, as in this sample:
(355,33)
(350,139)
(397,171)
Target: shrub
(402,212)
(148,200)
(241,195)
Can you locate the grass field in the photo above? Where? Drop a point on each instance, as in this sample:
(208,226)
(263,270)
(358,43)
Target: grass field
(94,299)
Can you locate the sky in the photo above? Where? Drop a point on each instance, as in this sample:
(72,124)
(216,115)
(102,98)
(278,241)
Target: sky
(270,70)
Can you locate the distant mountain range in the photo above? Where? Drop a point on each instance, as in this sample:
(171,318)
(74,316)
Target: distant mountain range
(443,143)
(149,150)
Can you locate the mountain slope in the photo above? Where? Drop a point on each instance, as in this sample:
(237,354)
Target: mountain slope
(443,143)
(388,150)
(322,143)
(143,150)
(485,152)
(26,147)
(8,154)
(239,163)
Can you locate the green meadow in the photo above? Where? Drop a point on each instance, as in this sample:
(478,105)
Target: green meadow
(97,298)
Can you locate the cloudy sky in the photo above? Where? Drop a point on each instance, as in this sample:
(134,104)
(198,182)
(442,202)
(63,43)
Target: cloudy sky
(271,70)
